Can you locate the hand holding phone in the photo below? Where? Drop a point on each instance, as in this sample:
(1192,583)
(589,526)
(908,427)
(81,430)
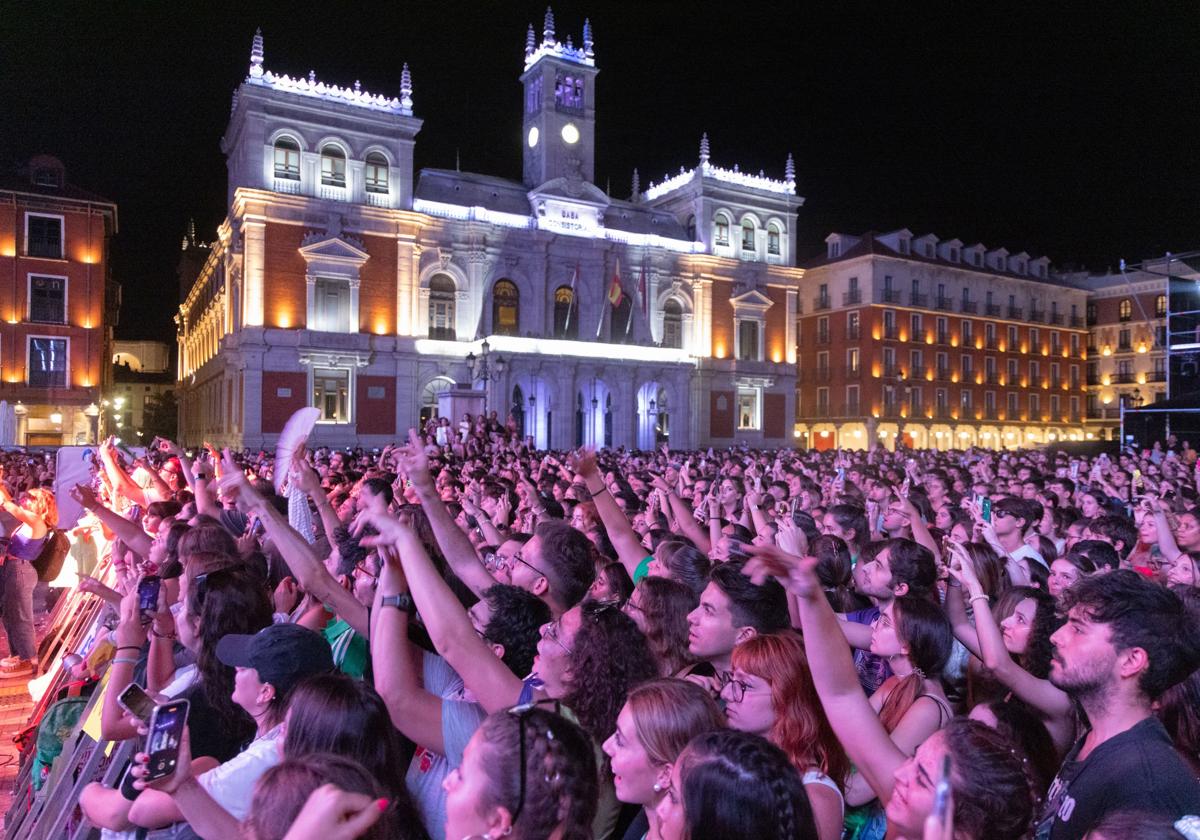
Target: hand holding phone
(163,741)
(137,702)
(986,507)
(148,590)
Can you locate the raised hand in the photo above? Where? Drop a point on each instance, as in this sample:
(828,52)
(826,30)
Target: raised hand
(413,461)
(798,575)
(583,462)
(790,537)
(334,814)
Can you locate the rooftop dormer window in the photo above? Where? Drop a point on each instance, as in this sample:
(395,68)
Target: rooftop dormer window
(45,177)
(903,246)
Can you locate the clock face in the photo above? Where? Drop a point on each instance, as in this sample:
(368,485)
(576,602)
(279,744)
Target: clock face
(533,136)
(570,134)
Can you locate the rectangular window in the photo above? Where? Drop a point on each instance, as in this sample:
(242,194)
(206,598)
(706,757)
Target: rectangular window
(722,232)
(939,397)
(331,394)
(1035,406)
(331,305)
(1013,341)
(965,399)
(47,299)
(1035,339)
(44,236)
(748,237)
(1035,374)
(1014,405)
(915,326)
(1074,343)
(989,402)
(852,360)
(968,332)
(47,362)
(968,365)
(852,326)
(852,407)
(287,162)
(333,170)
(773,242)
(749,404)
(1055,407)
(1013,368)
(748,340)
(823,330)
(915,400)
(376,176)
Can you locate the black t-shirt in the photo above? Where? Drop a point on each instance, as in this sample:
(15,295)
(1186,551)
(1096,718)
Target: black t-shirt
(210,734)
(1137,770)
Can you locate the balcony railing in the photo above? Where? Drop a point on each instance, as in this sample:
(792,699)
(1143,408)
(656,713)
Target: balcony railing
(1016,312)
(1093,379)
(891,409)
(944,338)
(992,309)
(822,374)
(891,371)
(1077,322)
(1055,384)
(822,338)
(916,372)
(1057,318)
(942,412)
(889,296)
(1124,347)
(942,374)
(970,307)
(891,333)
(851,297)
(992,378)
(852,409)
(944,303)
(991,414)
(1038,315)
(820,303)
(853,333)
(992,344)
(1123,378)
(1156,376)
(916,299)
(853,372)
(1093,350)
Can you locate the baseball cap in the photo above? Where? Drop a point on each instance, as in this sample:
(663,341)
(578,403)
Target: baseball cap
(282,654)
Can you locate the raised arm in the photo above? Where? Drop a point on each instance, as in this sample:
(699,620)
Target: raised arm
(850,714)
(447,622)
(1037,692)
(686,520)
(128,532)
(960,623)
(456,546)
(625,540)
(397,663)
(117,476)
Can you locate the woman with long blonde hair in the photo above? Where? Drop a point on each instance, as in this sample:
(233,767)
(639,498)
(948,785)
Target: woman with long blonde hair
(36,515)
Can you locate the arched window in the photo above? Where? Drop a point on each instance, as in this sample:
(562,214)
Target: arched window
(287,159)
(441,307)
(672,325)
(774,240)
(1126,309)
(429,398)
(506,306)
(748,232)
(333,166)
(376,173)
(721,231)
(566,319)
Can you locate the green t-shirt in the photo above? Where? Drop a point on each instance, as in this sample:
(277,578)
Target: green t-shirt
(350,650)
(643,569)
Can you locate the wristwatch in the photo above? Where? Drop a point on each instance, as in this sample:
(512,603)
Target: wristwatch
(402,602)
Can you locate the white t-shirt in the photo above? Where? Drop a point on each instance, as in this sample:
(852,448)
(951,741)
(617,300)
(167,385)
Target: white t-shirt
(232,784)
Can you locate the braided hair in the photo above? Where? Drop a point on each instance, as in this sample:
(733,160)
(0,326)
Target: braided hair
(734,784)
(994,786)
(561,779)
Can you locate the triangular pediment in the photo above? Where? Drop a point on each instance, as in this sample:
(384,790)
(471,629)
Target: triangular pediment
(753,299)
(334,249)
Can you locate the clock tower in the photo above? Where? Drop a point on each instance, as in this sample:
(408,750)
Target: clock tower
(558,128)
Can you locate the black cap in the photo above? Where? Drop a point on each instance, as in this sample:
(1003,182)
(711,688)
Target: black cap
(282,654)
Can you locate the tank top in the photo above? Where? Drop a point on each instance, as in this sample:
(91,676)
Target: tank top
(22,546)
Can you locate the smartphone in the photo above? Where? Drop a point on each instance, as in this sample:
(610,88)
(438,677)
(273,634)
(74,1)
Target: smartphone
(1137,480)
(841,475)
(162,744)
(148,593)
(941,793)
(737,550)
(987,509)
(1074,470)
(137,702)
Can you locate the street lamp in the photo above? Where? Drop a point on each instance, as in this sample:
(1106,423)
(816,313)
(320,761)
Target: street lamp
(485,367)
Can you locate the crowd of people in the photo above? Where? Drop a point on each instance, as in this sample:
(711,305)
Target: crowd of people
(459,637)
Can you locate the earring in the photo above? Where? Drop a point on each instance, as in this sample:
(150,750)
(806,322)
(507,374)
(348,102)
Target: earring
(657,787)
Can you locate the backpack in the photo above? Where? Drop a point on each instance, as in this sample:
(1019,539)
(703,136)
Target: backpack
(54,551)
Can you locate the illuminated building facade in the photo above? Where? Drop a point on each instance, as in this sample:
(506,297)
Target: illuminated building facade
(57,303)
(934,343)
(344,280)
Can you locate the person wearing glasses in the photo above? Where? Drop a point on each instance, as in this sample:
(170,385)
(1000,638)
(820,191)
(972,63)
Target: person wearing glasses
(1012,519)
(526,774)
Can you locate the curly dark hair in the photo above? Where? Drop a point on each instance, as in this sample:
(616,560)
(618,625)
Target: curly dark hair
(1024,727)
(609,656)
(992,781)
(1038,650)
(665,604)
(561,779)
(515,620)
(735,784)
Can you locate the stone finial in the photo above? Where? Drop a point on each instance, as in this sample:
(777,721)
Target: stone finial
(637,186)
(704,148)
(588,43)
(530,41)
(789,169)
(406,88)
(548,27)
(256,55)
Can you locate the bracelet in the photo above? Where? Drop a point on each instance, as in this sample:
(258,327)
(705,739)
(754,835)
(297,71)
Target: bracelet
(597,492)
(979,597)
(158,635)
(126,661)
(128,647)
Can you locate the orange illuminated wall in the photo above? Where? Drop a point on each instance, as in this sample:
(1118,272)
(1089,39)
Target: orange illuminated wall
(775,341)
(285,294)
(722,321)
(377,291)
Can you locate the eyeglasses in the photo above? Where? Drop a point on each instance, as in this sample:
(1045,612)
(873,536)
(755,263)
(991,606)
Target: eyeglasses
(362,569)
(517,558)
(522,714)
(1000,514)
(551,632)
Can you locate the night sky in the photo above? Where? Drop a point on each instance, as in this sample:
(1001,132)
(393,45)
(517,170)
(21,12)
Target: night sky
(1071,133)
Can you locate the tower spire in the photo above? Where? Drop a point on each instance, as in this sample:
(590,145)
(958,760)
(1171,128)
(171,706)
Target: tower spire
(530,41)
(406,89)
(548,27)
(704,148)
(588,43)
(789,169)
(256,54)
(637,186)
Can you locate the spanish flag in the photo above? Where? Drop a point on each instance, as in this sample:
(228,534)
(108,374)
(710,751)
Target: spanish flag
(615,293)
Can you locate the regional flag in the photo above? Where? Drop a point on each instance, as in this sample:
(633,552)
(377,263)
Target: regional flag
(615,292)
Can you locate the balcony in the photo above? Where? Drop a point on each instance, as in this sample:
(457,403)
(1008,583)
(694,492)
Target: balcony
(916,299)
(942,374)
(1055,383)
(822,410)
(991,413)
(1093,379)
(891,409)
(944,338)
(891,371)
(853,372)
(992,378)
(1077,322)
(1055,349)
(891,333)
(992,309)
(851,409)
(944,303)
(1074,417)
(1037,315)
(1016,313)
(822,374)
(853,333)
(992,344)
(1124,347)
(1093,350)
(822,338)
(852,297)
(942,412)
(1156,376)
(969,307)
(820,303)
(1100,413)
(1124,378)
(916,372)
(1057,319)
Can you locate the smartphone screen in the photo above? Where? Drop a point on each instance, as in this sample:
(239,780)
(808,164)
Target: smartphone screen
(148,593)
(166,731)
(137,702)
(987,510)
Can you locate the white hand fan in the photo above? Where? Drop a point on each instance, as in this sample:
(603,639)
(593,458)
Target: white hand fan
(295,434)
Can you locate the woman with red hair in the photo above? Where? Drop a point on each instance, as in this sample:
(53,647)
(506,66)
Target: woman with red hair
(36,514)
(771,694)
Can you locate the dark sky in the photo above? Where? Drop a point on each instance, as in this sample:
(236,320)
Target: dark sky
(1071,132)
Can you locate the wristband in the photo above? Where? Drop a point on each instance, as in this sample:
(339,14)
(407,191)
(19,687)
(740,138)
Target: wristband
(128,647)
(120,661)
(979,597)
(597,492)
(155,634)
